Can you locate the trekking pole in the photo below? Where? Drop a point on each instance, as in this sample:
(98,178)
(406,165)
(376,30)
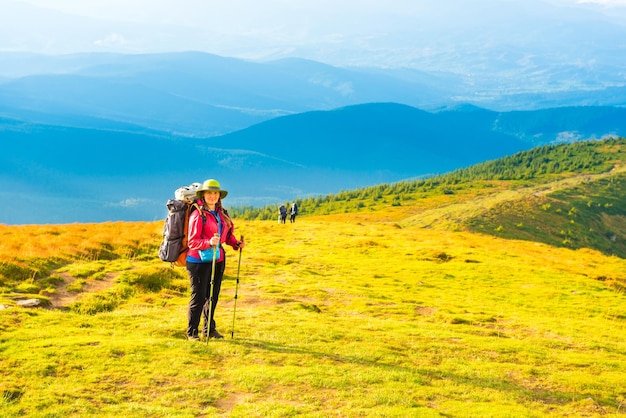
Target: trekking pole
(209,316)
(232,329)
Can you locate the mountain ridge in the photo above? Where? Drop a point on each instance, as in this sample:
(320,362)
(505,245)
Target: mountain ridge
(127,174)
(200,94)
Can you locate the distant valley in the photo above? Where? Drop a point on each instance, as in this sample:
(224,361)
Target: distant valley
(94,175)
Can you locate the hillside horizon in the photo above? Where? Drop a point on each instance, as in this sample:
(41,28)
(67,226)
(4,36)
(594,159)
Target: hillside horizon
(562,194)
(565,195)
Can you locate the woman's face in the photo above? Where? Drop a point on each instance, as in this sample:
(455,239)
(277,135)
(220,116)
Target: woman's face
(211,197)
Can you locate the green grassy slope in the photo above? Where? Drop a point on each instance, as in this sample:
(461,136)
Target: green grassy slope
(591,214)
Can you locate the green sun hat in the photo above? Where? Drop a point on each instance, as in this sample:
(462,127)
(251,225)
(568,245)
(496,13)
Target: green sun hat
(213,186)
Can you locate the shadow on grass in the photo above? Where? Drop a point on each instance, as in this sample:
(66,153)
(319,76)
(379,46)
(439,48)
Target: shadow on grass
(531,392)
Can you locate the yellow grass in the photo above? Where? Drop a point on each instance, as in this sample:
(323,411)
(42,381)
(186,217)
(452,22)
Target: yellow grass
(73,240)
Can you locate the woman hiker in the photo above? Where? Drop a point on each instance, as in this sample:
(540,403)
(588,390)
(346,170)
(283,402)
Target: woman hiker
(209,228)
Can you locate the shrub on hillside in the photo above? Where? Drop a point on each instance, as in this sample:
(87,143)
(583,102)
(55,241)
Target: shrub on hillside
(151,279)
(93,303)
(15,273)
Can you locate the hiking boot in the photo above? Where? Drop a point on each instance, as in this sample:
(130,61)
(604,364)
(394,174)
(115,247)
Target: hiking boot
(193,338)
(214,334)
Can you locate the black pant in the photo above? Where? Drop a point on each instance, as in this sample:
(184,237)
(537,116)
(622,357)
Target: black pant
(200,280)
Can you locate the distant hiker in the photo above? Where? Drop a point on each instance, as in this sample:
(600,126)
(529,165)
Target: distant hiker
(282,214)
(293,212)
(209,228)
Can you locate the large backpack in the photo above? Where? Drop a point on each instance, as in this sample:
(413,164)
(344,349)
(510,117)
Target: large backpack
(174,247)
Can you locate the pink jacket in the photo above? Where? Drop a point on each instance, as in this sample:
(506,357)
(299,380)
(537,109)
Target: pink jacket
(200,235)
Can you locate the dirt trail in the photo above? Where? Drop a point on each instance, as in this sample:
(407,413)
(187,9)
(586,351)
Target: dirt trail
(455,213)
(63,297)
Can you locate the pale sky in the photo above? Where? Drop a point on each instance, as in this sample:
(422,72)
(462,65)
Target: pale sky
(163,11)
(350,32)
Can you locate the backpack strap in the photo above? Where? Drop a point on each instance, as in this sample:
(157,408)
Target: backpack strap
(195,205)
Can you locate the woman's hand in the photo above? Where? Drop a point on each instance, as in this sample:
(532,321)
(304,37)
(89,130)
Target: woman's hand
(215,241)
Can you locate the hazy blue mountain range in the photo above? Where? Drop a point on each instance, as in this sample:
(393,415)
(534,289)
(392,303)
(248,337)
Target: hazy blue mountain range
(198,94)
(55,173)
(193,94)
